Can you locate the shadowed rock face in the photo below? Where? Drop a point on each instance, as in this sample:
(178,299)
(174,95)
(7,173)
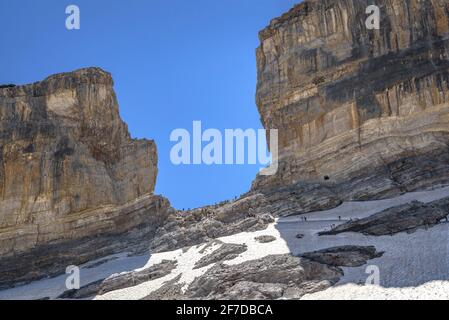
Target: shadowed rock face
(349,101)
(69,170)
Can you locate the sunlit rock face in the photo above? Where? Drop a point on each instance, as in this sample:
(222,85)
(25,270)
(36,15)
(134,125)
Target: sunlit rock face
(68,166)
(349,101)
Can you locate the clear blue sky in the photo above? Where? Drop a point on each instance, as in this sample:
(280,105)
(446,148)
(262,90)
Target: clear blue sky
(173,62)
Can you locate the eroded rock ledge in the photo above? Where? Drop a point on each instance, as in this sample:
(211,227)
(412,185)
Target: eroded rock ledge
(348,100)
(271,277)
(404,218)
(73,183)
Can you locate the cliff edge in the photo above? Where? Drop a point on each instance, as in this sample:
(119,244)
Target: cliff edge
(353,105)
(69,169)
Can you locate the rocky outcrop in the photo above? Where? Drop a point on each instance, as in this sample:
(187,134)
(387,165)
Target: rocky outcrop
(405,218)
(362,115)
(346,256)
(71,177)
(227,251)
(120,281)
(273,277)
(265,239)
(202,225)
(352,105)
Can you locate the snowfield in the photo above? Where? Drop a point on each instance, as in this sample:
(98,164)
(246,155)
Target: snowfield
(414,266)
(435,290)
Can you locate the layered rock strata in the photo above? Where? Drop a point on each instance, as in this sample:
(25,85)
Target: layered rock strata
(362,114)
(271,277)
(70,174)
(352,103)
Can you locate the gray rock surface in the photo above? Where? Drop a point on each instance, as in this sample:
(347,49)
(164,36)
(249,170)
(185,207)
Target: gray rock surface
(227,251)
(404,218)
(278,276)
(120,281)
(267,278)
(345,256)
(265,239)
(350,103)
(221,282)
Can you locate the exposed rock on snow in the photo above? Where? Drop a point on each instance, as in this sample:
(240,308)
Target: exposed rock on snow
(265,239)
(279,276)
(402,218)
(435,290)
(227,251)
(76,187)
(170,290)
(123,280)
(345,256)
(189,229)
(74,184)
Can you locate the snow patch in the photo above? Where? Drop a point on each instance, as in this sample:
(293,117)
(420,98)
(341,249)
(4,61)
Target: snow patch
(435,290)
(414,266)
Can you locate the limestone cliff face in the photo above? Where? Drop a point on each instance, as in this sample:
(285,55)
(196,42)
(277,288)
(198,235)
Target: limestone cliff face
(348,100)
(68,166)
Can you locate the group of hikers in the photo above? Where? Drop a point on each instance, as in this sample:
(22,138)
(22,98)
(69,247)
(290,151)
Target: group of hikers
(332,226)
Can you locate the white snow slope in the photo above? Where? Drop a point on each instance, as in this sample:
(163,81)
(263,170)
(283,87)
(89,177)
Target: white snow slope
(414,266)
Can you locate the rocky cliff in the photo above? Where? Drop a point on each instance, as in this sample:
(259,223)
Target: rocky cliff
(69,169)
(369,107)
(362,115)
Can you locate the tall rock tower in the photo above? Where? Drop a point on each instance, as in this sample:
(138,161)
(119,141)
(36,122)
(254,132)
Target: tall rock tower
(369,107)
(69,173)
